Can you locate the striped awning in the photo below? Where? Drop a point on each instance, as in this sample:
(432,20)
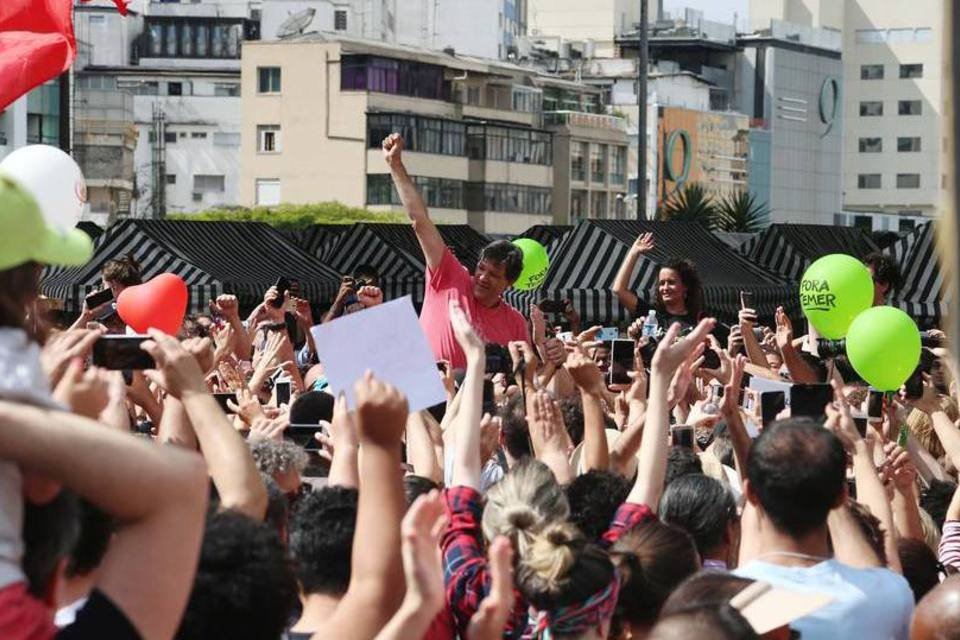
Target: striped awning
(319,240)
(242,258)
(788,249)
(586,263)
(922,293)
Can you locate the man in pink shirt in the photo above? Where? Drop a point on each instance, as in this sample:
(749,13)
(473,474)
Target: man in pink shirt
(480,294)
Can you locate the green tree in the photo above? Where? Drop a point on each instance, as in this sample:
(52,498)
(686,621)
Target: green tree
(741,212)
(691,204)
(288,216)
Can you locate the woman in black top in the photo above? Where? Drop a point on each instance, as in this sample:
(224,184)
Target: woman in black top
(679,293)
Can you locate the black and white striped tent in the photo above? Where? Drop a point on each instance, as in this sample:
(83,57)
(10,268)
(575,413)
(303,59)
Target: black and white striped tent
(242,258)
(788,249)
(584,267)
(922,293)
(319,240)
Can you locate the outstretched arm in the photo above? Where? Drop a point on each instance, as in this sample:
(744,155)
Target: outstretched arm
(621,283)
(430,240)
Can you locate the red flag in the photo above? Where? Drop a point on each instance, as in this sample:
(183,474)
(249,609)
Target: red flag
(36,43)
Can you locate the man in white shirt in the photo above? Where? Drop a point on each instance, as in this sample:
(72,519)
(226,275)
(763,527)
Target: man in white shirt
(796,491)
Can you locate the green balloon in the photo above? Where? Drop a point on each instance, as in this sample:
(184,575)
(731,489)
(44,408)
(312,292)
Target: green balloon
(835,289)
(535,264)
(883,345)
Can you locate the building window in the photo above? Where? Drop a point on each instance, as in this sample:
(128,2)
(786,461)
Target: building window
(618,165)
(184,37)
(199,135)
(174,88)
(871,145)
(170,137)
(871,72)
(871,108)
(227,89)
(906,225)
(908,181)
(420,134)
(208,183)
(578,160)
(268,80)
(509,198)
(864,223)
(139,87)
(598,163)
(871,36)
(171,178)
(578,205)
(268,192)
(510,144)
(340,20)
(908,144)
(398,77)
(598,204)
(911,71)
(226,139)
(268,138)
(437,193)
(868,181)
(910,107)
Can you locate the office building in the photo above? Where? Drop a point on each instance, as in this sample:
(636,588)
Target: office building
(600,21)
(891,104)
(489,143)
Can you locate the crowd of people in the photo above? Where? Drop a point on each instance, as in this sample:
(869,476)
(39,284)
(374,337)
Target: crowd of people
(224,490)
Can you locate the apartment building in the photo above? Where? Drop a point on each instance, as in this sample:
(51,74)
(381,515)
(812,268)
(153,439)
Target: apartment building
(489,143)
(891,102)
(601,21)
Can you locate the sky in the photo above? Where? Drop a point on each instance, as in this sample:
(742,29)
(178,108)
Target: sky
(718,10)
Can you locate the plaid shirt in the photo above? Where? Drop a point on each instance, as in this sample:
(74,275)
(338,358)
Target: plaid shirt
(465,571)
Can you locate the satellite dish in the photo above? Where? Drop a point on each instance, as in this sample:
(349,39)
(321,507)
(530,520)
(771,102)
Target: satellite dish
(296,23)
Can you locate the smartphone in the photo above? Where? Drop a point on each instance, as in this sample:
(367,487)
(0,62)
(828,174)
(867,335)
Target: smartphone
(718,391)
(98,298)
(771,404)
(121,352)
(303,435)
(621,361)
(875,405)
(746,300)
(608,334)
(551,306)
(282,285)
(222,398)
(810,400)
(710,359)
(283,388)
(681,435)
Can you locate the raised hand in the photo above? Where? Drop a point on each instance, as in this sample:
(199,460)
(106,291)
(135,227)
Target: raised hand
(731,391)
(303,313)
(177,369)
(267,429)
(747,318)
(392,150)
(420,533)
(784,334)
(547,432)
(898,467)
(539,324)
(227,305)
(247,407)
(370,296)
(671,353)
(840,420)
(585,372)
(85,392)
(275,314)
(62,348)
(643,244)
(491,617)
(468,339)
(381,412)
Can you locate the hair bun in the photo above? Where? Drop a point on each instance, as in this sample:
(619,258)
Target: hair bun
(558,536)
(521,517)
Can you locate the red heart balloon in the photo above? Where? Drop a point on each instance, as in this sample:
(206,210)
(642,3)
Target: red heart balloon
(160,303)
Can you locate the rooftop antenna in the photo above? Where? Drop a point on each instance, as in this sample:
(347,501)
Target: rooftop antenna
(296,23)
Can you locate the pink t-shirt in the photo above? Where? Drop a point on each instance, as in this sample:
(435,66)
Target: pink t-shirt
(500,324)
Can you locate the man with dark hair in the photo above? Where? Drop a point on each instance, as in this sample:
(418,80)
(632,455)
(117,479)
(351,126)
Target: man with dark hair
(481,294)
(321,538)
(594,498)
(885,273)
(704,508)
(796,478)
(245,588)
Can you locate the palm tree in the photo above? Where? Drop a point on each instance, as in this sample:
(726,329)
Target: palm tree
(741,212)
(691,204)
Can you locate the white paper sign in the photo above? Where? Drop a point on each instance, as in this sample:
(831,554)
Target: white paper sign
(387,340)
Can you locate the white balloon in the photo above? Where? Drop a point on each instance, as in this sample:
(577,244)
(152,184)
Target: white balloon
(53,179)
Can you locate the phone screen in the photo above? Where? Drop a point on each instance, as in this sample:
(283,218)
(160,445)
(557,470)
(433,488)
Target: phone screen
(222,398)
(121,352)
(746,300)
(283,388)
(621,361)
(94,300)
(810,400)
(710,359)
(875,405)
(771,404)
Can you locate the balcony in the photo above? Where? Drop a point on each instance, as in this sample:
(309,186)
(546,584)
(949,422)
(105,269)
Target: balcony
(587,120)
